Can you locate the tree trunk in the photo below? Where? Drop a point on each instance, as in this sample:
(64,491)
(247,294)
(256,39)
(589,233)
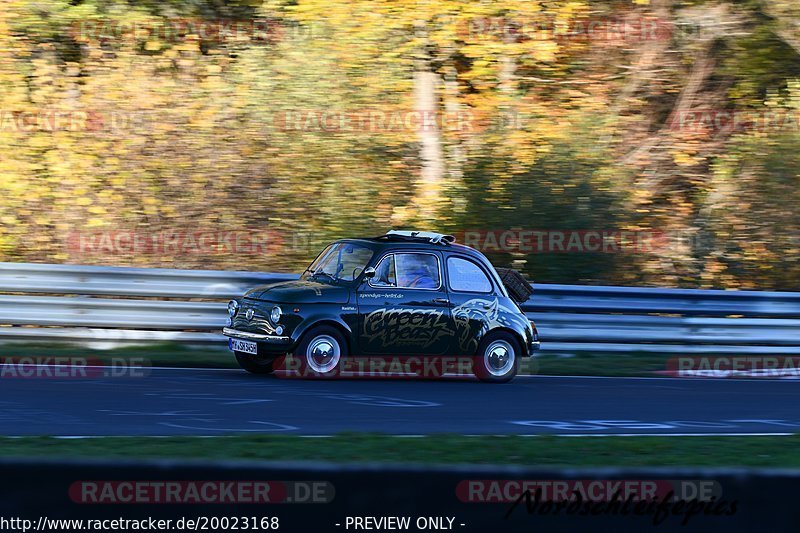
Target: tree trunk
(428,197)
(456,152)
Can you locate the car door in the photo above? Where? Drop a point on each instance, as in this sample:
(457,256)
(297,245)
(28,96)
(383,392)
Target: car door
(476,304)
(404,309)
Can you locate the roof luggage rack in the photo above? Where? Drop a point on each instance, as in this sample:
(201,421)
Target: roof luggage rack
(419,236)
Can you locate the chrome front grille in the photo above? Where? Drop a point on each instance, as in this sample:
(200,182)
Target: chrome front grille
(258,324)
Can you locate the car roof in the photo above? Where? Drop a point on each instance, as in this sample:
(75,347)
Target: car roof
(379,244)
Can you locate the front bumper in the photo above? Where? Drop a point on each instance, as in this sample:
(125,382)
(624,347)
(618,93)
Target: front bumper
(257,337)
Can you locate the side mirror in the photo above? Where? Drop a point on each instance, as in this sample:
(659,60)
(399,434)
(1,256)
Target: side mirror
(369,273)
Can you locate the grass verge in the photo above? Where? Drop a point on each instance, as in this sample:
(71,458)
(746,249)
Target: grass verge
(166,354)
(635,364)
(761,451)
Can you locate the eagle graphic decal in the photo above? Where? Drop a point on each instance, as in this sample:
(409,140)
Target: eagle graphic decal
(475,317)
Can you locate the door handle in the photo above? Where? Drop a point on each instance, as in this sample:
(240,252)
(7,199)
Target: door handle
(441,301)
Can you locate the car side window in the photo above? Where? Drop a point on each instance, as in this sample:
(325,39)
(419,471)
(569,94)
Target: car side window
(417,271)
(385,275)
(466,276)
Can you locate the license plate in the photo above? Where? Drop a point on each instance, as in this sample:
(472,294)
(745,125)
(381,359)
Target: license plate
(237,345)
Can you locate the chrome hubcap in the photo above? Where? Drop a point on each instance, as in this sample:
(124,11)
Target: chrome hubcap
(499,358)
(323,354)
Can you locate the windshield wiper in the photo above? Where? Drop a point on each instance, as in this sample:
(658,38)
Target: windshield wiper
(321,273)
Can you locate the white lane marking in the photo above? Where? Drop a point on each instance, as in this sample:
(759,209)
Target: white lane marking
(509,435)
(520,376)
(670,435)
(197,368)
(239,370)
(665,378)
(672,427)
(112,412)
(275,427)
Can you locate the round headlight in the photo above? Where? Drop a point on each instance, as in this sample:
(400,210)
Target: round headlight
(233,308)
(275,314)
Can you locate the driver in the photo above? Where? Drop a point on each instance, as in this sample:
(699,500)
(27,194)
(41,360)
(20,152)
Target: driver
(419,276)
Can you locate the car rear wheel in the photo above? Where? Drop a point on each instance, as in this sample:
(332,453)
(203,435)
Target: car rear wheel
(497,359)
(254,364)
(321,350)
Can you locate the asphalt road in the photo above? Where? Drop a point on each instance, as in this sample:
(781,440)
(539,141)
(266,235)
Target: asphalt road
(219,402)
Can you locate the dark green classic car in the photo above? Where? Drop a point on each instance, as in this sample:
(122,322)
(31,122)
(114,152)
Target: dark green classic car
(401,295)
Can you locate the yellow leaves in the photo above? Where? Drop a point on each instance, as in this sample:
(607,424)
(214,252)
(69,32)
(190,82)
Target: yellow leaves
(544,51)
(685,159)
(40,141)
(211,151)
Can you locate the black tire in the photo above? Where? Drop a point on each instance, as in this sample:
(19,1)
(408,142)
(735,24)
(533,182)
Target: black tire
(322,340)
(254,364)
(490,365)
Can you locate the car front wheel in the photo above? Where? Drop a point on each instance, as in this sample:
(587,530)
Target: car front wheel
(321,351)
(497,359)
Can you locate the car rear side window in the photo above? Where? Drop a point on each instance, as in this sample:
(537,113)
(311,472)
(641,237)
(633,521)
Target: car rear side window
(466,276)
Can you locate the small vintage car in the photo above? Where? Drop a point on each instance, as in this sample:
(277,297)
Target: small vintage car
(402,294)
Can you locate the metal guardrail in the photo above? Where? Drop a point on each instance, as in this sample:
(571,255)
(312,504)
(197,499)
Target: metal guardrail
(105,304)
(115,281)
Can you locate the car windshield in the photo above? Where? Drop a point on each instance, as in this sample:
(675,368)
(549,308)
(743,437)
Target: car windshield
(342,261)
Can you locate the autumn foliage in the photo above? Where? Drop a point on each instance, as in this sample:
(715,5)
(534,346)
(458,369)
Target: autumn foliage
(290,123)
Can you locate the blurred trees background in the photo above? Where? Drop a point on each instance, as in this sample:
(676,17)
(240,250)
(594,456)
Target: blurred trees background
(689,125)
